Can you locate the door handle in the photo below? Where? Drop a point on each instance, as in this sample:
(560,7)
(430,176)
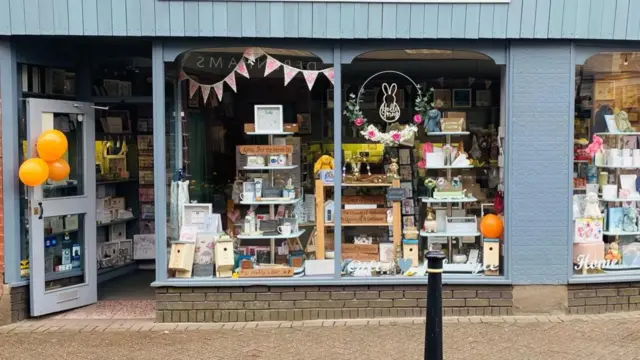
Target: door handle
(41,210)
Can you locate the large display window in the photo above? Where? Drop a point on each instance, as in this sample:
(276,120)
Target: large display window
(257,189)
(605,165)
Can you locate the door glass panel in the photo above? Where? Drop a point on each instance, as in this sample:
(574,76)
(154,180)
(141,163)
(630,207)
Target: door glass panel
(64,249)
(71,126)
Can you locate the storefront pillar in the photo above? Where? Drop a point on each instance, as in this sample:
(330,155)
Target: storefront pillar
(337,155)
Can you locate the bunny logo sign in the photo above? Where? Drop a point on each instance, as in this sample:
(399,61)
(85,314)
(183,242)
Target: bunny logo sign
(389,110)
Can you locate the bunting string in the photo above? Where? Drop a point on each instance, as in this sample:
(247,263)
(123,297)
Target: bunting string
(251,55)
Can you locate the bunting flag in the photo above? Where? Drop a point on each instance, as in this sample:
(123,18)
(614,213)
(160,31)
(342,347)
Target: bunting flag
(193,87)
(217,87)
(249,56)
(231,80)
(441,81)
(206,89)
(289,73)
(471,80)
(329,73)
(487,83)
(271,65)
(241,69)
(310,76)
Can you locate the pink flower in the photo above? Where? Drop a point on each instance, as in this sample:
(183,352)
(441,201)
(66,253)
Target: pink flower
(417,119)
(359,121)
(396,137)
(371,134)
(422,164)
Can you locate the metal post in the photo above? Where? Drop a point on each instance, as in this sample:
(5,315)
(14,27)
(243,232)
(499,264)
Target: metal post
(433,334)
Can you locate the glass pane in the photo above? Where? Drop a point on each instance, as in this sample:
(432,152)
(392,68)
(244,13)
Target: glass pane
(71,126)
(64,246)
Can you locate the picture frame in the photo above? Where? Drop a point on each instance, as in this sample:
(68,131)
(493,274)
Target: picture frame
(444,95)
(116,121)
(461,98)
(605,90)
(268,119)
(483,97)
(195,214)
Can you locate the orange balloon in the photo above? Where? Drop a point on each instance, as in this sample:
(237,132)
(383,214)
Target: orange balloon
(33,172)
(51,145)
(58,170)
(491,226)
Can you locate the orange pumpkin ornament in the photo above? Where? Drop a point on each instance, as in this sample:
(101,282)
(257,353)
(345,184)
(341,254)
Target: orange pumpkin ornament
(51,145)
(58,169)
(33,172)
(491,226)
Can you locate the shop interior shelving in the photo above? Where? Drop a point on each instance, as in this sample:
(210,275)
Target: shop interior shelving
(449,266)
(271,203)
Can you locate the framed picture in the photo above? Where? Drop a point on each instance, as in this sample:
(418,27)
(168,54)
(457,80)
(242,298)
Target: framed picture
(461,98)
(406,173)
(304,123)
(407,207)
(405,157)
(408,221)
(268,119)
(443,95)
(195,214)
(483,97)
(605,90)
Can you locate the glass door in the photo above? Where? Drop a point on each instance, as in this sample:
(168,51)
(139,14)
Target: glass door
(62,214)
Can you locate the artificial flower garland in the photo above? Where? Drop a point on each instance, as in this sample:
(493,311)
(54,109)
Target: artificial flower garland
(423,104)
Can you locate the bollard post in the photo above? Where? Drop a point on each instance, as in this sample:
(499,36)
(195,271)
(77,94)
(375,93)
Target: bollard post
(433,335)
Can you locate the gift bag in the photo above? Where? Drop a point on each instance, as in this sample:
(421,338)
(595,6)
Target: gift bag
(144,244)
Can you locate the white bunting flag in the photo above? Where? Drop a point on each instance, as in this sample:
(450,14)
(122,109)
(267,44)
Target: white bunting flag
(310,77)
(271,65)
(289,73)
(241,69)
(487,83)
(441,81)
(217,87)
(471,81)
(252,54)
(329,73)
(206,89)
(193,87)
(231,80)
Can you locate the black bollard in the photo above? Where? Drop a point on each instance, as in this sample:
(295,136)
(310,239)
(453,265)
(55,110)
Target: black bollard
(433,335)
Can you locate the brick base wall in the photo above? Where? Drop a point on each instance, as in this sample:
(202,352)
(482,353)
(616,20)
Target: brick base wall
(261,303)
(14,304)
(603,298)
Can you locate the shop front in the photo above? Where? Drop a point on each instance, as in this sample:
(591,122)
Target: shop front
(254,178)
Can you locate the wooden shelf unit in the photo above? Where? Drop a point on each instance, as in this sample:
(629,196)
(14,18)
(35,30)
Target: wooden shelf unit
(321,225)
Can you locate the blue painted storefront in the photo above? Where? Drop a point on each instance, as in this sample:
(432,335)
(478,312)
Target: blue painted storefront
(539,41)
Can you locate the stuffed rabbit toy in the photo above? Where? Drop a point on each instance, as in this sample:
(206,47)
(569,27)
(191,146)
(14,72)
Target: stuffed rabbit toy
(389,110)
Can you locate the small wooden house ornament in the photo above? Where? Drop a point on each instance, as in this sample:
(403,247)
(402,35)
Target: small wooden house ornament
(224,256)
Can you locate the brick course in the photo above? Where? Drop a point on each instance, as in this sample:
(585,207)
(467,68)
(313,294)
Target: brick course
(262,303)
(603,298)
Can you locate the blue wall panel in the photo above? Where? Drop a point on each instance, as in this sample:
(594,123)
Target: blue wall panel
(31,11)
(16,11)
(538,160)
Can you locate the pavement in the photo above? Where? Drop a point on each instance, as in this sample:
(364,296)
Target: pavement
(607,336)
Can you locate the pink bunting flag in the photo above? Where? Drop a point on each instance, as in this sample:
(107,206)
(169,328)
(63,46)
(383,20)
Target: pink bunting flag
(310,76)
(271,65)
(193,87)
(251,54)
(182,76)
(289,73)
(241,69)
(206,89)
(441,81)
(231,80)
(329,74)
(217,87)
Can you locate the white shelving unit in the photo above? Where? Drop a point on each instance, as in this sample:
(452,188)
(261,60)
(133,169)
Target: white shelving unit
(620,233)
(449,203)
(272,203)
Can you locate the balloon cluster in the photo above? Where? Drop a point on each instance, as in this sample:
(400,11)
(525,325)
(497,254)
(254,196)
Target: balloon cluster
(51,146)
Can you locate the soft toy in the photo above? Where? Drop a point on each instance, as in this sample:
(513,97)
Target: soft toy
(592,209)
(613,254)
(629,219)
(324,163)
(622,122)
(433,121)
(595,145)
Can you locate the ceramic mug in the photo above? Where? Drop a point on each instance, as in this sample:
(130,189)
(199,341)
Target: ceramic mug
(247,196)
(285,229)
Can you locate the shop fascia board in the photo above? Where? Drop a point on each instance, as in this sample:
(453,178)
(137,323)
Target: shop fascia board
(323,49)
(330,281)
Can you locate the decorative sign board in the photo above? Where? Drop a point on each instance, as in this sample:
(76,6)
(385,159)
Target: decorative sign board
(366,199)
(265,149)
(266,272)
(395,194)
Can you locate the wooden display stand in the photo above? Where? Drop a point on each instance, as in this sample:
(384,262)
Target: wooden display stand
(321,225)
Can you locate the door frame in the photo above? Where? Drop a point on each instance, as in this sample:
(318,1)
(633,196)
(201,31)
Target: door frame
(64,298)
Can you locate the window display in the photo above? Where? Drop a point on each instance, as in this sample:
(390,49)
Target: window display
(257,153)
(606,163)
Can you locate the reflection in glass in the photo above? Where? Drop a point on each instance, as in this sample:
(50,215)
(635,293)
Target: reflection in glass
(64,245)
